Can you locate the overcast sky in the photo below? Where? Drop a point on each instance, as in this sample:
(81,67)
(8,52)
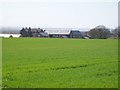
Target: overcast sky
(59,13)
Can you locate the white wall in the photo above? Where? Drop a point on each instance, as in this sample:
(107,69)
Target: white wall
(8,35)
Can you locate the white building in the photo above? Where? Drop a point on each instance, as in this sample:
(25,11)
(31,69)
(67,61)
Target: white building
(8,35)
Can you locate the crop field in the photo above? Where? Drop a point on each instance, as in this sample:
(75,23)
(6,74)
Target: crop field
(59,63)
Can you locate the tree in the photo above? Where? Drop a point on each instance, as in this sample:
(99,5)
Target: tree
(116,32)
(99,32)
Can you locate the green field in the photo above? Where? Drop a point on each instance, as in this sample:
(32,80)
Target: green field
(59,63)
(0,63)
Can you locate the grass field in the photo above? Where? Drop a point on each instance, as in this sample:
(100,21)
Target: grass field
(0,63)
(59,63)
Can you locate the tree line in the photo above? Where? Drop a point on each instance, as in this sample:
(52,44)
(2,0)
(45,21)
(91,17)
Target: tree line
(101,32)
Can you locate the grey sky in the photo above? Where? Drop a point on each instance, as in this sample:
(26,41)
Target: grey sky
(60,13)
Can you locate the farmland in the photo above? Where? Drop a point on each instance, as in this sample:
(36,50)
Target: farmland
(59,63)
(0,63)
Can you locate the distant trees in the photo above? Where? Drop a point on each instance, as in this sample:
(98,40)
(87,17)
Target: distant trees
(116,32)
(99,32)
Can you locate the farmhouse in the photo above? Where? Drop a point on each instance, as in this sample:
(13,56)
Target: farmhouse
(34,32)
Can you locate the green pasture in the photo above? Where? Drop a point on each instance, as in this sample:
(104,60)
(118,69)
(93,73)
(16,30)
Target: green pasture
(59,63)
(0,63)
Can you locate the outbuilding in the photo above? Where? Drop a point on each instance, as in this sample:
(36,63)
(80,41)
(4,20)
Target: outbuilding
(75,34)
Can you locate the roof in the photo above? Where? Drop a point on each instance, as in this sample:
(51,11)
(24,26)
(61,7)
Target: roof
(44,34)
(76,32)
(58,32)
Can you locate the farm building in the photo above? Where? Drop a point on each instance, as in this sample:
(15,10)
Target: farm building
(52,33)
(34,32)
(59,34)
(69,33)
(75,34)
(9,35)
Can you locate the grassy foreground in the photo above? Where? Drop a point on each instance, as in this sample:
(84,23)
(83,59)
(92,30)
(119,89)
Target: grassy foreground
(59,63)
(0,63)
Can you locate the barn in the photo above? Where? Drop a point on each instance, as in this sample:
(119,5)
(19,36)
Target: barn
(75,34)
(59,34)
